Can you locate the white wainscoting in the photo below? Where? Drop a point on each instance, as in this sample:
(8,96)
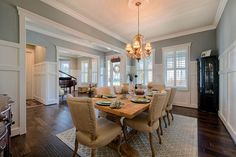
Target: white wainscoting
(227,105)
(45,82)
(10,69)
(185,98)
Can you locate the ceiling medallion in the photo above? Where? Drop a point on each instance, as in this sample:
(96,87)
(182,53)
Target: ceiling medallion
(136,49)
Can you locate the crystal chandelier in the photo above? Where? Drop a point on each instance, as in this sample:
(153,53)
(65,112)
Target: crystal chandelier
(136,50)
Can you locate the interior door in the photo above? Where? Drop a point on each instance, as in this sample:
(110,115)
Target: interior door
(29,75)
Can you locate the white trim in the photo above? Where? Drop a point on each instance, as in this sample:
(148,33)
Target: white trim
(63,8)
(74,52)
(180,34)
(186,105)
(228,127)
(15,131)
(22,74)
(30,16)
(95,25)
(65,37)
(220,10)
(10,44)
(228,49)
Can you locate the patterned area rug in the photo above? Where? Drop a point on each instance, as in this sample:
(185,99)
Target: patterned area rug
(178,140)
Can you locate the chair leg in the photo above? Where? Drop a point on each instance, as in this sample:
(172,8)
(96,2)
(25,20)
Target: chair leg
(76,147)
(120,139)
(159,136)
(164,121)
(168,117)
(93,153)
(160,125)
(150,140)
(171,114)
(124,132)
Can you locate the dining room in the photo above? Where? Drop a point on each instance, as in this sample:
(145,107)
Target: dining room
(130,78)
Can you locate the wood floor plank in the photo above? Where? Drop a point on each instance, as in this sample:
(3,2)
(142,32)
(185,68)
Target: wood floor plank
(44,122)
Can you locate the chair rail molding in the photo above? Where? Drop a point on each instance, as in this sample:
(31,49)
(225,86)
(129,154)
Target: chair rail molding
(227,79)
(11,72)
(45,76)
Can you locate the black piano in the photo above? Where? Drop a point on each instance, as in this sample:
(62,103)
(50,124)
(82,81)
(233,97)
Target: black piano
(67,82)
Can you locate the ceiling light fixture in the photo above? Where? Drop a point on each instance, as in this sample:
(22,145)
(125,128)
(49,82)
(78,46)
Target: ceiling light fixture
(136,50)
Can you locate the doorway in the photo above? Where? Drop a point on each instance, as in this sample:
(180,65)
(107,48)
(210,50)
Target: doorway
(115,67)
(29,60)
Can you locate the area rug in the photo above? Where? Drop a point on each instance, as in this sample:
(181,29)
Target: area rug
(178,140)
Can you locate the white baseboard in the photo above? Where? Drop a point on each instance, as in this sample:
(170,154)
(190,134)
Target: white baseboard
(15,131)
(228,127)
(186,105)
(40,99)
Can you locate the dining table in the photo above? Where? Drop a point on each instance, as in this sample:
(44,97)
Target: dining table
(129,110)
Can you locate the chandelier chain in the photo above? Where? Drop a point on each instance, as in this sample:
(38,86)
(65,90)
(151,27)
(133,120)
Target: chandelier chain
(138,19)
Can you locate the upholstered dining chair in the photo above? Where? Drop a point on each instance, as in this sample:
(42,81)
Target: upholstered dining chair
(103,91)
(90,131)
(164,114)
(170,105)
(148,121)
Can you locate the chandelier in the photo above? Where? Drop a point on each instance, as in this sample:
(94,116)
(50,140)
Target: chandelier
(136,51)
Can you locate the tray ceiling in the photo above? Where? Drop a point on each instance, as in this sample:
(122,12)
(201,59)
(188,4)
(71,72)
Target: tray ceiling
(158,18)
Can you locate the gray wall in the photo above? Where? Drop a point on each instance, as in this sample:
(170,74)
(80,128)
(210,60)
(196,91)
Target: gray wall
(200,42)
(8,22)
(50,44)
(226,30)
(44,10)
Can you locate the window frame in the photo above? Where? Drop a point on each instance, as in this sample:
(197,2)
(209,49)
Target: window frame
(176,48)
(146,70)
(82,72)
(63,61)
(94,72)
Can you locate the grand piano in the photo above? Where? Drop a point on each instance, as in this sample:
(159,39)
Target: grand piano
(67,82)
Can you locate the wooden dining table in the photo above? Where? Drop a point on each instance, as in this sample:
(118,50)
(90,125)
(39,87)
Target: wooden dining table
(128,110)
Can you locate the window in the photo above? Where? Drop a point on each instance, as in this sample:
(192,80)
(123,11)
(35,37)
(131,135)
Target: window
(175,65)
(84,71)
(94,71)
(64,67)
(144,70)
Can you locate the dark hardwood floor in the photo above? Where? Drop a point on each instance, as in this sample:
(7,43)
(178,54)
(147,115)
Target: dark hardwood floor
(44,122)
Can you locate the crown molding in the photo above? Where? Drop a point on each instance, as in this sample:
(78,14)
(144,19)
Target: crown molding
(57,5)
(68,11)
(219,12)
(179,34)
(79,35)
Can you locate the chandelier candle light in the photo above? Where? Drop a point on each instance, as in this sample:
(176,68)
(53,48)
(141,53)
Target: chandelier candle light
(136,50)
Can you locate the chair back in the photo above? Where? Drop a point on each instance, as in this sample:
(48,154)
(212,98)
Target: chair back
(158,87)
(168,91)
(155,107)
(83,114)
(103,91)
(117,89)
(172,96)
(149,86)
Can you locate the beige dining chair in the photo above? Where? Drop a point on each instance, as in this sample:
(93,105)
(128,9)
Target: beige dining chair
(148,121)
(90,131)
(103,91)
(170,105)
(164,114)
